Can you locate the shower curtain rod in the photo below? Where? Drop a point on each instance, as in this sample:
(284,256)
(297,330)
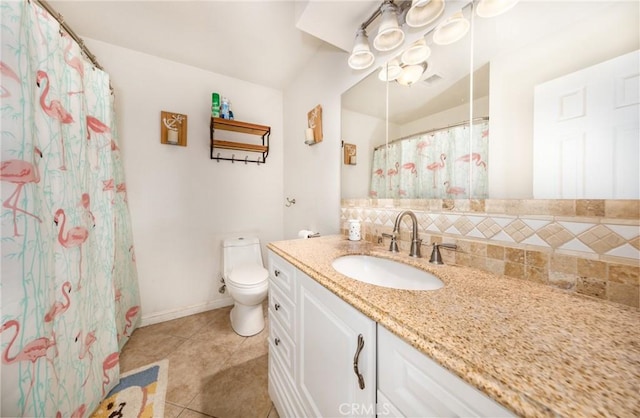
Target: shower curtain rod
(475,120)
(70,31)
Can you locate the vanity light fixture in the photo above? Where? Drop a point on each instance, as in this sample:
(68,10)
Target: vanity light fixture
(418,52)
(491,8)
(423,12)
(390,35)
(390,71)
(451,30)
(411,74)
(361,57)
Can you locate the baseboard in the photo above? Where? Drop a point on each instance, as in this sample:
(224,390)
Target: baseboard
(158,317)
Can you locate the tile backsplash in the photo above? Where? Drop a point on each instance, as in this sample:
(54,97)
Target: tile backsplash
(591,247)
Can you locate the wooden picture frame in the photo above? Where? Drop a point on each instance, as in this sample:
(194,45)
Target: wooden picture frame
(350,152)
(173,128)
(314,119)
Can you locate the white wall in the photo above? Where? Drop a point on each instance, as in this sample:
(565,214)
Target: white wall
(312,172)
(182,203)
(365,132)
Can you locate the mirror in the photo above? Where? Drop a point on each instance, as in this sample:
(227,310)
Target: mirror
(516,56)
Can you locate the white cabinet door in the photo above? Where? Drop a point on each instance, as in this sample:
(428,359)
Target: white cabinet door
(327,350)
(415,386)
(586,133)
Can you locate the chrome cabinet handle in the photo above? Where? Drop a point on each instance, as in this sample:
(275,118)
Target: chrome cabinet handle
(276,340)
(276,272)
(277,306)
(355,361)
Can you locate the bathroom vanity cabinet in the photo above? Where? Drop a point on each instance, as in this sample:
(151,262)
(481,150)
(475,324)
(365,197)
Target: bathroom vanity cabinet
(316,365)
(314,352)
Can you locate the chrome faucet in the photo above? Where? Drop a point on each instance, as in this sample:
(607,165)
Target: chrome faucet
(436,257)
(415,241)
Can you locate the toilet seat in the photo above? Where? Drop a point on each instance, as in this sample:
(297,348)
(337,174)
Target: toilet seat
(248,275)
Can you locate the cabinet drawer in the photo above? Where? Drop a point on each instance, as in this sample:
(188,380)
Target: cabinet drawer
(281,346)
(281,390)
(418,386)
(282,275)
(282,310)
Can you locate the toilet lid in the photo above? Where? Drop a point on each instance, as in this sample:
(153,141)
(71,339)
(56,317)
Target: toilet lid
(248,274)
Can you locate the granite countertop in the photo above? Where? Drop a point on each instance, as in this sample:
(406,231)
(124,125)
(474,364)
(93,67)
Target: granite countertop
(535,349)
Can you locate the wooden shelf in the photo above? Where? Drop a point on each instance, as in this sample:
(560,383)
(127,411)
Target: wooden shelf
(240,127)
(237,126)
(239,146)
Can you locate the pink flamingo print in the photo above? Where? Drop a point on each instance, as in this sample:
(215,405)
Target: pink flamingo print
(402,192)
(73,62)
(420,146)
(54,110)
(393,171)
(74,237)
(7,72)
(410,166)
(19,172)
(32,351)
(475,157)
(58,308)
(379,172)
(454,190)
(96,126)
(111,361)
(131,313)
(437,166)
(122,188)
(85,202)
(85,350)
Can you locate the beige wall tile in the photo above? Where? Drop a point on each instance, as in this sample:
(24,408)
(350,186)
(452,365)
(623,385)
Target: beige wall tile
(592,268)
(619,273)
(565,281)
(624,293)
(592,287)
(536,275)
(477,205)
(478,248)
(514,255)
(495,251)
(514,270)
(590,208)
(537,259)
(563,264)
(625,209)
(495,266)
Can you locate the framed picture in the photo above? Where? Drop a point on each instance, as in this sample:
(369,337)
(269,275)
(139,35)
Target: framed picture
(314,119)
(349,154)
(173,128)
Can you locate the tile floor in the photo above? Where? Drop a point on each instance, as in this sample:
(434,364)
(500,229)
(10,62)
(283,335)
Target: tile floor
(213,372)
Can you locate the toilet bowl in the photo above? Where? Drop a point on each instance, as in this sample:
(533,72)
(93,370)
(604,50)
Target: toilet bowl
(247,281)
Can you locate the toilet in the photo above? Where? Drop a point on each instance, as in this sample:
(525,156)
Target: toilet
(247,281)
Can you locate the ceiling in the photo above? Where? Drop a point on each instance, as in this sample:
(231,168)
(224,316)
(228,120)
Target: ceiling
(266,42)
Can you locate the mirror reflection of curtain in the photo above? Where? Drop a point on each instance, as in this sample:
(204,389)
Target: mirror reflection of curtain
(70,296)
(435,165)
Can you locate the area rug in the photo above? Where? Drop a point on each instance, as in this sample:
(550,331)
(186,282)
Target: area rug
(140,393)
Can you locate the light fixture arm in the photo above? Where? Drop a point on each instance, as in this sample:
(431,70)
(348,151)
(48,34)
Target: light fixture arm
(402,6)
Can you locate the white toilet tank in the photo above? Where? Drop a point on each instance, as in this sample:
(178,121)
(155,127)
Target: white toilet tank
(238,251)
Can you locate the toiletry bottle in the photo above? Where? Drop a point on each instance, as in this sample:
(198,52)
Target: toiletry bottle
(215,105)
(224,109)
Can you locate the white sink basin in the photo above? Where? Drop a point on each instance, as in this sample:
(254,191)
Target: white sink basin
(385,273)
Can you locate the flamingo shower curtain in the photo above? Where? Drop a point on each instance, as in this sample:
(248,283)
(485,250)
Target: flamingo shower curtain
(69,284)
(448,163)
